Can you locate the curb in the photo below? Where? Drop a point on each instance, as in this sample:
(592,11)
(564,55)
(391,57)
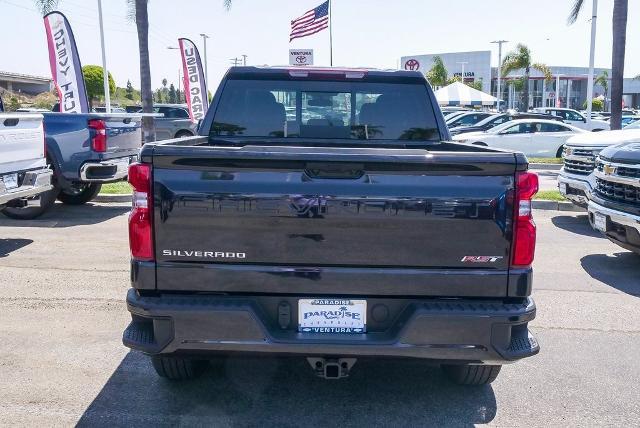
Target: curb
(107,197)
(536,204)
(549,166)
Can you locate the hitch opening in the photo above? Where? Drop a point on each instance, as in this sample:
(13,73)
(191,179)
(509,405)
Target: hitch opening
(331,368)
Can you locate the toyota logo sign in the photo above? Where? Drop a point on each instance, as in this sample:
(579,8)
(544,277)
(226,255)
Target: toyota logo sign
(411,64)
(301,59)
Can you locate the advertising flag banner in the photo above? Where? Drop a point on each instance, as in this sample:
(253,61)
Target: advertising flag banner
(195,88)
(66,69)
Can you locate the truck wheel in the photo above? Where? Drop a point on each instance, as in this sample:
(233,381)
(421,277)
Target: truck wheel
(79,194)
(47,199)
(471,375)
(176,368)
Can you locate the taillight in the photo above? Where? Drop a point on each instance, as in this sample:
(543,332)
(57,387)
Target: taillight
(140,218)
(99,139)
(524,229)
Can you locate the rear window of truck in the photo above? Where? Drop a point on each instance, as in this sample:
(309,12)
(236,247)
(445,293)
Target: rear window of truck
(329,110)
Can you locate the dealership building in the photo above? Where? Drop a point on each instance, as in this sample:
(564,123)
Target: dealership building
(568,88)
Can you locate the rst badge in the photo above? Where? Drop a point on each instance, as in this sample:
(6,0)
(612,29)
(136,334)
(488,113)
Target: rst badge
(481,259)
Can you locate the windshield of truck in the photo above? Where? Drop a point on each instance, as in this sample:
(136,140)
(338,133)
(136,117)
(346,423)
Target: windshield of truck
(325,110)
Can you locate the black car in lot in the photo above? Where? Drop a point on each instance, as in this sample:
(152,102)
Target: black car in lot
(467,119)
(349,231)
(496,119)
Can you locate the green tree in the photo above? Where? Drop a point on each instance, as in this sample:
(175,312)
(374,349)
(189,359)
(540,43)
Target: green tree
(178,96)
(437,75)
(93,80)
(476,84)
(158,96)
(172,94)
(603,80)
(129,90)
(520,59)
(596,105)
(619,21)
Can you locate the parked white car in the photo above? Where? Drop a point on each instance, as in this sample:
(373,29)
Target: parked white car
(577,179)
(533,137)
(575,118)
(25,178)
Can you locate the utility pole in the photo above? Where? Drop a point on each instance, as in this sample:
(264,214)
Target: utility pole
(206,63)
(462,63)
(235,61)
(499,93)
(244,60)
(592,52)
(105,73)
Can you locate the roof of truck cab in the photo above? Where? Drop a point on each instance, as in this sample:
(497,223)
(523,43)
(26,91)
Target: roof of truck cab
(297,71)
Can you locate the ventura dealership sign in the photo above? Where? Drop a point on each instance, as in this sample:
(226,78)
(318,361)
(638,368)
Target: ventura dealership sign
(300,56)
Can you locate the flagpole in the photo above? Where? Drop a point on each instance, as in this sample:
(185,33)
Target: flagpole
(330,37)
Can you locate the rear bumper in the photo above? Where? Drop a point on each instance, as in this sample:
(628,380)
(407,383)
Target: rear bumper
(33,183)
(622,228)
(471,331)
(578,189)
(106,171)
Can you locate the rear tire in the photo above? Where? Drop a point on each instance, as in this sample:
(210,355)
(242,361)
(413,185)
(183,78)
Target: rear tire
(471,375)
(47,199)
(79,194)
(176,368)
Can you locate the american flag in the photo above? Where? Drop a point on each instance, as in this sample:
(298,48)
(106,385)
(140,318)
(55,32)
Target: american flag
(311,22)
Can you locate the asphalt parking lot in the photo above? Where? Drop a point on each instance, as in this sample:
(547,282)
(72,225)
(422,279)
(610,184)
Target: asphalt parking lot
(63,282)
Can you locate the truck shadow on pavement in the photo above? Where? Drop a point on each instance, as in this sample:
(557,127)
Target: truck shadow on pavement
(61,215)
(618,270)
(578,225)
(9,245)
(248,391)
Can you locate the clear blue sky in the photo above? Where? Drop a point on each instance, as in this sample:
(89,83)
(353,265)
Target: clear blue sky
(372,33)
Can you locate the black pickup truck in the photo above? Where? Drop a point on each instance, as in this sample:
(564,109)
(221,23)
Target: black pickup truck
(322,213)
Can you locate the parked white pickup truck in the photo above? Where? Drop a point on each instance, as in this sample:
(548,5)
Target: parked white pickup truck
(577,179)
(25,179)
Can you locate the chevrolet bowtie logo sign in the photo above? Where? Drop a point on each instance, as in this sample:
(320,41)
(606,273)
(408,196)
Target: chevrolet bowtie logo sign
(609,169)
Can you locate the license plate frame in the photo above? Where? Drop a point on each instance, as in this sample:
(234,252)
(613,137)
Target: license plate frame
(332,315)
(600,222)
(10,181)
(563,188)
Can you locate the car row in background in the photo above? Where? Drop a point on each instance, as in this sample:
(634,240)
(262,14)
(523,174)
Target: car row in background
(533,137)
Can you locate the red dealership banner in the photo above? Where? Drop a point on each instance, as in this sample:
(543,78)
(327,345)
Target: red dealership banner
(195,87)
(64,61)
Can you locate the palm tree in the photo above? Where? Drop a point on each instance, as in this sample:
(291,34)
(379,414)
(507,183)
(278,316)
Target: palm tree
(520,59)
(603,80)
(620,11)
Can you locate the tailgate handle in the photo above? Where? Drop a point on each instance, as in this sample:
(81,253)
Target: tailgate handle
(12,121)
(342,171)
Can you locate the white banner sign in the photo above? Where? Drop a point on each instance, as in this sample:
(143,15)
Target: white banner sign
(195,88)
(300,56)
(65,64)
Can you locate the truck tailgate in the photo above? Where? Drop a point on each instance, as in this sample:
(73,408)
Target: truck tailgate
(21,142)
(271,212)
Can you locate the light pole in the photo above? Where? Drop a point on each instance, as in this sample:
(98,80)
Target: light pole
(105,72)
(499,42)
(592,52)
(175,48)
(206,64)
(462,63)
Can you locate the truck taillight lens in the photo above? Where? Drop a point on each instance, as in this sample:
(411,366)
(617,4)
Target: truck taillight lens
(524,229)
(140,218)
(99,138)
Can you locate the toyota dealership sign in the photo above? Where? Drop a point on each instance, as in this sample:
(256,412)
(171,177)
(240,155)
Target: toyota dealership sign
(300,56)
